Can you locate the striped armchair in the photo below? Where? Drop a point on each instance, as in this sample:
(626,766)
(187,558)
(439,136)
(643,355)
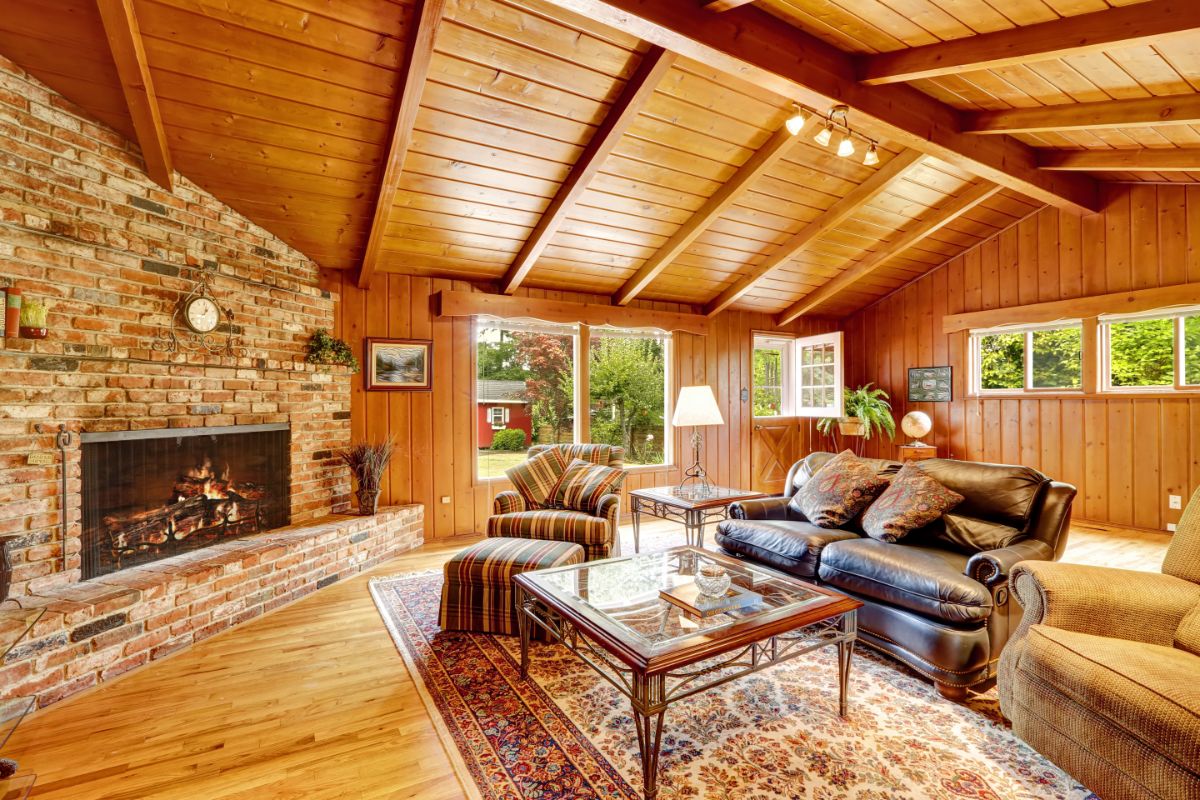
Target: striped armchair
(596,534)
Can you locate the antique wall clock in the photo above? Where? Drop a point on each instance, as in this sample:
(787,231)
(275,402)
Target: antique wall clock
(200,323)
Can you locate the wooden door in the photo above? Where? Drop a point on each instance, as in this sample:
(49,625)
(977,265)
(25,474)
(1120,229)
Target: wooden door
(772,452)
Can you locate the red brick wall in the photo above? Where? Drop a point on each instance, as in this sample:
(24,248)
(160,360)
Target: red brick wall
(82,228)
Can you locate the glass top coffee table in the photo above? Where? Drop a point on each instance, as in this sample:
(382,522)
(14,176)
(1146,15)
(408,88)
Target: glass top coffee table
(609,613)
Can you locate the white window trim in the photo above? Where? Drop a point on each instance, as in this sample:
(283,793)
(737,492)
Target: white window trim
(787,346)
(976,358)
(837,408)
(1177,315)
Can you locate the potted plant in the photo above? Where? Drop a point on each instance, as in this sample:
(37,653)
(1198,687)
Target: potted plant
(33,319)
(368,462)
(868,413)
(326,349)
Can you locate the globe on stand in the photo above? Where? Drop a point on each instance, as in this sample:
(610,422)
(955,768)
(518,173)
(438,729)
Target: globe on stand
(916,424)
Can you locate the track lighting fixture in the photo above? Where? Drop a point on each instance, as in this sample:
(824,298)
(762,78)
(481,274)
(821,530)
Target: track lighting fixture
(872,156)
(825,135)
(795,123)
(846,146)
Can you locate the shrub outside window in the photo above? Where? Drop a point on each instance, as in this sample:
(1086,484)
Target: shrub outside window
(773,391)
(1156,351)
(1031,358)
(627,392)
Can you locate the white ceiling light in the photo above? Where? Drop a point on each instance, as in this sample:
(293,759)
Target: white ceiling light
(795,123)
(872,156)
(825,135)
(846,145)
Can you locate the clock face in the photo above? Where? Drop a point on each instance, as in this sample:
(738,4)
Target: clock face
(202,315)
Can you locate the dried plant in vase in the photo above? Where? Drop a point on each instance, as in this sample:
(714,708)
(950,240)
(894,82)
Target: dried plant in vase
(368,462)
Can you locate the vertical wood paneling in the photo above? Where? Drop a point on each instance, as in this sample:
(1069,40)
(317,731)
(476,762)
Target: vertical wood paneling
(434,430)
(1126,454)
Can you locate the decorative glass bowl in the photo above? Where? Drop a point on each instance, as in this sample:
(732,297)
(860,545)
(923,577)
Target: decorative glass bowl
(712,580)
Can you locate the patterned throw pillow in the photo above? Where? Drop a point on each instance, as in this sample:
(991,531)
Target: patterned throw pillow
(913,501)
(839,491)
(584,483)
(536,477)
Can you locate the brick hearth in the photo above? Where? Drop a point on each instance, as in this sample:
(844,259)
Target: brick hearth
(98,629)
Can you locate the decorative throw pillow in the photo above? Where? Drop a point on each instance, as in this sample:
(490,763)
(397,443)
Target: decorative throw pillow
(839,490)
(913,500)
(536,477)
(973,535)
(584,483)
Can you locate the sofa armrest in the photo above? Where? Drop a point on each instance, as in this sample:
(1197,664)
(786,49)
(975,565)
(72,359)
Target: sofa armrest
(992,567)
(765,508)
(508,503)
(1116,603)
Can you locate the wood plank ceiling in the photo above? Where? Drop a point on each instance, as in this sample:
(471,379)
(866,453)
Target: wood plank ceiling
(548,150)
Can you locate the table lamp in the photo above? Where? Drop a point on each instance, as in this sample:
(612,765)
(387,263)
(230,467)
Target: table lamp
(696,406)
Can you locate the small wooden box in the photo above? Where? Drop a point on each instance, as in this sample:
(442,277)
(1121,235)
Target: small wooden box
(917,452)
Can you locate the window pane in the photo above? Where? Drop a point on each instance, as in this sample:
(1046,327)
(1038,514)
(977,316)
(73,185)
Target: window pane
(1191,350)
(1002,361)
(768,382)
(627,388)
(1142,352)
(1058,359)
(531,373)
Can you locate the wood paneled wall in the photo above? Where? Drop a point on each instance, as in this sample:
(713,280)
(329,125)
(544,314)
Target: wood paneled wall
(433,430)
(1125,454)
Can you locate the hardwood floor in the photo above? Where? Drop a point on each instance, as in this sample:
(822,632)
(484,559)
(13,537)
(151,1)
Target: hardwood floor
(311,701)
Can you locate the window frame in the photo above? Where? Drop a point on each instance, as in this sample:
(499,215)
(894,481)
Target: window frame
(1178,316)
(838,407)
(787,367)
(975,355)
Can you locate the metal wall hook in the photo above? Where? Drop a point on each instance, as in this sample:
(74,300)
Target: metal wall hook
(63,438)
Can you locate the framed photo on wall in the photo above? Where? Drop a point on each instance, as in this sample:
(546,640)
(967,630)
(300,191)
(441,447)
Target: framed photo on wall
(399,365)
(930,385)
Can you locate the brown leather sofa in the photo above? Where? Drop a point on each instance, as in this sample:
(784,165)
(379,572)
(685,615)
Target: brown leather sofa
(939,600)
(1103,673)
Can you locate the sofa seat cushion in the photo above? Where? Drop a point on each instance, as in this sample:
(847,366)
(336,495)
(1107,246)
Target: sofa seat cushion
(926,580)
(561,526)
(791,546)
(1147,691)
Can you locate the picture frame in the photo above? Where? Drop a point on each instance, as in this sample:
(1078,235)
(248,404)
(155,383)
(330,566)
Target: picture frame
(398,365)
(930,384)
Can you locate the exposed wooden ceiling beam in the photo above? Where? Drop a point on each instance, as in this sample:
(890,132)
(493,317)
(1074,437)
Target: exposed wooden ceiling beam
(1178,109)
(1126,26)
(762,49)
(129,54)
(941,216)
(762,160)
(726,5)
(470,304)
(416,68)
(1160,159)
(829,219)
(640,87)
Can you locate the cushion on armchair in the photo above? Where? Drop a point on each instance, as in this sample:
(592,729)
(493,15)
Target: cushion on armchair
(1187,636)
(583,484)
(839,491)
(912,501)
(537,477)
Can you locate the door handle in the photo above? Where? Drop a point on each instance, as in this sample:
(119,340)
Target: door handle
(758,427)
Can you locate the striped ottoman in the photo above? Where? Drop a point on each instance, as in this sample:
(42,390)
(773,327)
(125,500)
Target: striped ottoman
(477,594)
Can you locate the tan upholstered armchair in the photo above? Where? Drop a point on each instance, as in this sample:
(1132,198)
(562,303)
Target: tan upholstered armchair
(1103,673)
(597,534)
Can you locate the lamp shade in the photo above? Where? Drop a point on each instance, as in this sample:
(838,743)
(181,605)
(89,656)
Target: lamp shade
(696,406)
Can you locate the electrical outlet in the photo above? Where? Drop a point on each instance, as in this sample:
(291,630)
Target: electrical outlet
(1174,501)
(446,500)
(1170,527)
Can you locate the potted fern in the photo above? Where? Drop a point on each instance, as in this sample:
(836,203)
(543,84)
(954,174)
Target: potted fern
(868,413)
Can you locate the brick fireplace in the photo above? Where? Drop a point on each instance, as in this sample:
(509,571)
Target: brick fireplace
(111,254)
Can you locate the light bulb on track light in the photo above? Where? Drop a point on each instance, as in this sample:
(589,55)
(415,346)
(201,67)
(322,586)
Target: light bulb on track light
(845,146)
(872,156)
(795,123)
(825,135)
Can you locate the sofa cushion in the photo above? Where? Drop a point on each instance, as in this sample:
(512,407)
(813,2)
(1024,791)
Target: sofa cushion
(1001,493)
(536,477)
(970,534)
(1147,691)
(1187,635)
(839,491)
(583,484)
(812,463)
(927,580)
(912,500)
(791,546)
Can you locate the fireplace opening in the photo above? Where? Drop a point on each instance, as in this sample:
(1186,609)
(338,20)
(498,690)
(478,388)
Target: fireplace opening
(149,495)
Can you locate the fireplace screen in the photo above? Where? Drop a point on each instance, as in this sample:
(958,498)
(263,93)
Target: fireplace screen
(151,494)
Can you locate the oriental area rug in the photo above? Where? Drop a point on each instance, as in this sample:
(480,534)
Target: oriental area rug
(566,733)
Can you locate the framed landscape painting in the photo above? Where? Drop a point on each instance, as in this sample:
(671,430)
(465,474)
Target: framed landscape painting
(404,365)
